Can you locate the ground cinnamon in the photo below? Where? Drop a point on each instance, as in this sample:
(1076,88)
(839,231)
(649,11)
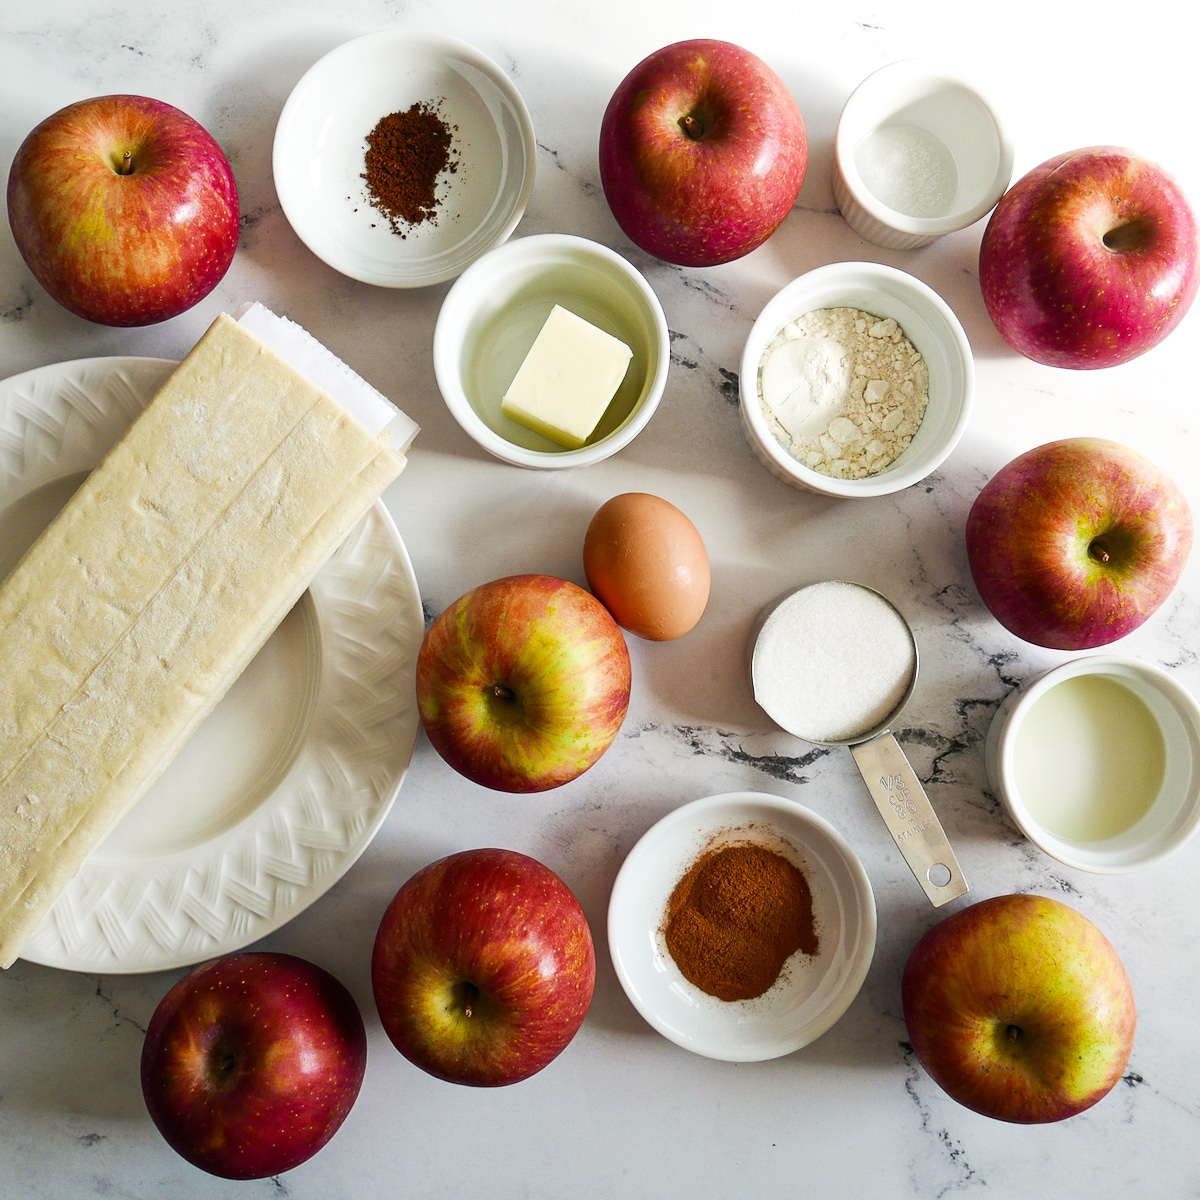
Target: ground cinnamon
(739,912)
(406,152)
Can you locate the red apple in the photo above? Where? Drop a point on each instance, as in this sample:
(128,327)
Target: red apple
(1020,1009)
(1075,543)
(251,1063)
(483,968)
(1090,259)
(702,153)
(124,208)
(522,683)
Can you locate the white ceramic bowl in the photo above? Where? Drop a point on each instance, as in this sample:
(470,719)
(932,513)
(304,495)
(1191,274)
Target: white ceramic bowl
(811,993)
(320,147)
(927,321)
(918,153)
(492,314)
(1174,812)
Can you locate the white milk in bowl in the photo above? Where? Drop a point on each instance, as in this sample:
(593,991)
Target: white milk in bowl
(1089,759)
(1098,762)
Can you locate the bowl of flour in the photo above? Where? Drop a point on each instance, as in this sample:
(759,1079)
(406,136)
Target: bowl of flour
(856,380)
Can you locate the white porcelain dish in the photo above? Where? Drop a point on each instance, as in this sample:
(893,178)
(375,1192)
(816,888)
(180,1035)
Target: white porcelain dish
(492,314)
(320,145)
(287,781)
(928,322)
(939,118)
(1172,817)
(811,994)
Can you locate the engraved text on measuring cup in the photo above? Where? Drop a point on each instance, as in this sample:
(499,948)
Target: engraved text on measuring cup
(896,790)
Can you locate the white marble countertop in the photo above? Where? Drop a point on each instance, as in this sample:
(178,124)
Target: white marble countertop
(623,1112)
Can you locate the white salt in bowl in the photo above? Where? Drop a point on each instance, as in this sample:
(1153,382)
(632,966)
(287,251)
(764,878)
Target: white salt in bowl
(927,321)
(918,153)
(496,308)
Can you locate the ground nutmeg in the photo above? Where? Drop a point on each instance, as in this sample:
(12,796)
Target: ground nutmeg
(406,152)
(735,917)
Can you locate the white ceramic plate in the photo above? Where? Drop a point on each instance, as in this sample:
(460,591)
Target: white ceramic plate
(288,780)
(320,147)
(811,992)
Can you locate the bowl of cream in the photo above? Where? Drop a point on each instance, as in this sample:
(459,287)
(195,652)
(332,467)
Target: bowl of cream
(1098,762)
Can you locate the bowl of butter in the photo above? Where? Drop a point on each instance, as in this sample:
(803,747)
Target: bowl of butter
(551,351)
(856,380)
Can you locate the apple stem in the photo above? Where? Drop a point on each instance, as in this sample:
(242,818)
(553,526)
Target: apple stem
(501,692)
(222,1067)
(1013,1032)
(126,164)
(692,126)
(466,994)
(1098,551)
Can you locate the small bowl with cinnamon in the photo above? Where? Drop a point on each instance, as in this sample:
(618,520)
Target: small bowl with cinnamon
(401,157)
(742,926)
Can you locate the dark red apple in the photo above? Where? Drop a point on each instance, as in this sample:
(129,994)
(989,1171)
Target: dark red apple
(483,967)
(1090,259)
(251,1063)
(702,153)
(523,682)
(124,208)
(1075,543)
(1020,1009)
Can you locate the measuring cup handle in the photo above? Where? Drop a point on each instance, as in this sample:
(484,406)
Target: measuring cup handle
(910,818)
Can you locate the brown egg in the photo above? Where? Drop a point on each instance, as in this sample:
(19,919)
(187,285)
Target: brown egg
(646,564)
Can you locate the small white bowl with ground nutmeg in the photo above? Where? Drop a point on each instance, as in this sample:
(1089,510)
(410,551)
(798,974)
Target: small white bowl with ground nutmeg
(856,380)
(401,157)
(742,926)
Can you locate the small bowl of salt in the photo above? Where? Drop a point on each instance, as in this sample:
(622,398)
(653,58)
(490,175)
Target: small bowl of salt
(856,380)
(918,153)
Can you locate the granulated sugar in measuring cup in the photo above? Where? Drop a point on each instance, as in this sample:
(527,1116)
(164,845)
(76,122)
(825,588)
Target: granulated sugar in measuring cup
(835,663)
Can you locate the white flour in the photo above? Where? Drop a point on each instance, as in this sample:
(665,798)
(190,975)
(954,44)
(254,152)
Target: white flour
(833,661)
(843,391)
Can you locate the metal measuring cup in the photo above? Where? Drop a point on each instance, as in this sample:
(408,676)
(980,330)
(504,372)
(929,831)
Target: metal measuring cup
(890,779)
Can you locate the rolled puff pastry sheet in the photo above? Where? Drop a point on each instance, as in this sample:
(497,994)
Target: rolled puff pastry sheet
(143,601)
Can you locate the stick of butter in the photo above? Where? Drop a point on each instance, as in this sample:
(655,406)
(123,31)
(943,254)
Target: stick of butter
(147,596)
(568,379)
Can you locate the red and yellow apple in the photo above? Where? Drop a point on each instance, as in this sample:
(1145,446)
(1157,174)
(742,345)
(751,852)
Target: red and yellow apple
(124,208)
(1020,1009)
(1089,260)
(483,967)
(251,1063)
(1075,543)
(702,153)
(523,682)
